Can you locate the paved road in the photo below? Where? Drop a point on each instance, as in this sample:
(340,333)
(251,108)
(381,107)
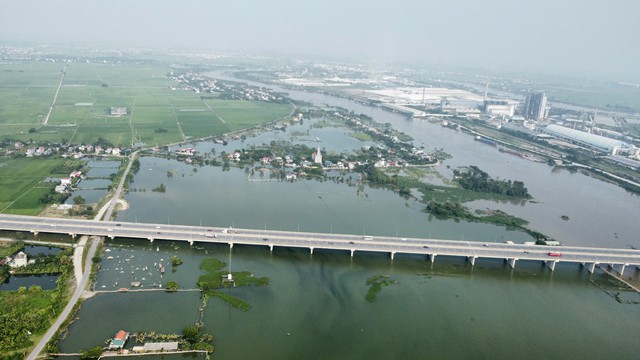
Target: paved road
(67,310)
(351,243)
(116,195)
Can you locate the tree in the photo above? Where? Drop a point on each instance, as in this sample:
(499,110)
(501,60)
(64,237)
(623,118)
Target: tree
(93,353)
(191,334)
(171,286)
(175,261)
(78,200)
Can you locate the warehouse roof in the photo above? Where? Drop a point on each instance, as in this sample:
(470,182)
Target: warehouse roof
(596,141)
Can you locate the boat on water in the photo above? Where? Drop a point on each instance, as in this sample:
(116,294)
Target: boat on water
(509,151)
(484,140)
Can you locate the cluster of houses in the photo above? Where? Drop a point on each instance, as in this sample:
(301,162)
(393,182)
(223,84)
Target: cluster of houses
(201,84)
(66,151)
(66,183)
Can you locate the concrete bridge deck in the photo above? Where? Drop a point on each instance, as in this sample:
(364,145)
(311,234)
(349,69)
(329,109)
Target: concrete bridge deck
(511,253)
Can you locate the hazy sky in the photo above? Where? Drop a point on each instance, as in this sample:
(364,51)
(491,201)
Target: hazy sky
(595,36)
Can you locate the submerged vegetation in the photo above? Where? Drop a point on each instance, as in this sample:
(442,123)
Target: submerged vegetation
(376,283)
(457,212)
(215,278)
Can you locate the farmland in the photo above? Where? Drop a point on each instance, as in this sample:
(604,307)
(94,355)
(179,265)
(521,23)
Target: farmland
(156,114)
(23,182)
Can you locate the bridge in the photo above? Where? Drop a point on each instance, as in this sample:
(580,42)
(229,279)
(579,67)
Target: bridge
(617,259)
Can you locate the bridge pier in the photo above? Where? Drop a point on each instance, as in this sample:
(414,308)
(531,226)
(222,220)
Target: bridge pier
(73,236)
(151,240)
(592,267)
(230,245)
(393,254)
(190,242)
(432,257)
(271,248)
(512,262)
(472,260)
(111,237)
(352,251)
(551,264)
(35,233)
(311,250)
(622,269)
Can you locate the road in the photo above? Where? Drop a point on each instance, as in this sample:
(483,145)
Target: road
(311,241)
(55,97)
(67,310)
(116,195)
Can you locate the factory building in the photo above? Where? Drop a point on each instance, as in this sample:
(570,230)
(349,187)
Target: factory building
(499,107)
(535,106)
(596,142)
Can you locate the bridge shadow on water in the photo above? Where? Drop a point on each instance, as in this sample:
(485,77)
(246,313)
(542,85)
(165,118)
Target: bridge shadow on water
(525,270)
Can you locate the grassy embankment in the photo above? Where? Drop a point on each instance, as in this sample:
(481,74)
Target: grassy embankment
(214,280)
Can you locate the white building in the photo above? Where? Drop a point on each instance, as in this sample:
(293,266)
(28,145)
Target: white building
(19,260)
(592,141)
(317,157)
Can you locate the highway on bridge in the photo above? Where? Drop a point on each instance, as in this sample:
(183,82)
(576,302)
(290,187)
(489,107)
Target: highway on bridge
(352,243)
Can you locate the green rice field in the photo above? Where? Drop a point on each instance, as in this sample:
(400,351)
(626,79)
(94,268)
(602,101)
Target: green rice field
(23,182)
(156,114)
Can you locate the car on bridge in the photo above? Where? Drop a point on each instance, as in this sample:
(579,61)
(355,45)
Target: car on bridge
(556,254)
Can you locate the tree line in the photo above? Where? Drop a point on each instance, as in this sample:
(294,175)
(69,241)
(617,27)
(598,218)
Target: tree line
(477,180)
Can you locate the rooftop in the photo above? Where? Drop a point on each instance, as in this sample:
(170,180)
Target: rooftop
(597,141)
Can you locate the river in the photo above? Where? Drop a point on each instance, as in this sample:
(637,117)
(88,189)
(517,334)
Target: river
(315,306)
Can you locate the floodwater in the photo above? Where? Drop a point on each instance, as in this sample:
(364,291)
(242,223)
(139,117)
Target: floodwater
(315,306)
(46,282)
(14,282)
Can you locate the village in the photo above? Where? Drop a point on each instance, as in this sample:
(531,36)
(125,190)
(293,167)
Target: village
(289,161)
(63,150)
(199,83)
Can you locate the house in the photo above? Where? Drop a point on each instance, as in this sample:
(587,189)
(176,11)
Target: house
(19,260)
(65,181)
(118,111)
(75,174)
(115,151)
(186,151)
(119,340)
